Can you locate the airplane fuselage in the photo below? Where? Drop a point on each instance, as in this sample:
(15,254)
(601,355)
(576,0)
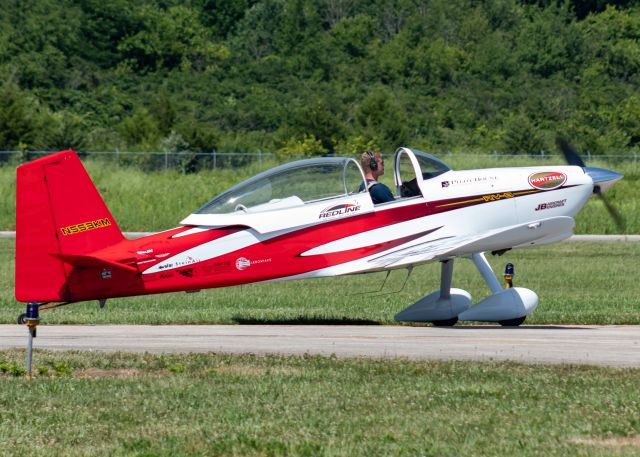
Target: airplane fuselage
(341,235)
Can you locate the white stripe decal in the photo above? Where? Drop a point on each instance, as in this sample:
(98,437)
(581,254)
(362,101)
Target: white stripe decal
(206,251)
(193,231)
(375,236)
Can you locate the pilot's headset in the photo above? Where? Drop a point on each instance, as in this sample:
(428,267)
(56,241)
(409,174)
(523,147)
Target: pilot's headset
(373,163)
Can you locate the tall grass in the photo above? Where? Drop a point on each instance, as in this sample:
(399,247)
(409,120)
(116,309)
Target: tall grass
(153,201)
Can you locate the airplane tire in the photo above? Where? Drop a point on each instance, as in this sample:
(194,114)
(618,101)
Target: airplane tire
(446,322)
(512,322)
(21,318)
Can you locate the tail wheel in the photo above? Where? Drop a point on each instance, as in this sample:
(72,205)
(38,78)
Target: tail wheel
(512,322)
(446,322)
(21,318)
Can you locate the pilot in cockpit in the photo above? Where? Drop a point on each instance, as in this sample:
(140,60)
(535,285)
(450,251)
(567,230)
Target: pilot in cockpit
(373,166)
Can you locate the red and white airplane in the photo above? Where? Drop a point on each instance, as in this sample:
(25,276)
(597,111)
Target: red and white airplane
(305,219)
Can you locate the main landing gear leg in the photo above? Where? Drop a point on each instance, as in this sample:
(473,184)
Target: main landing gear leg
(446,276)
(487,273)
(441,307)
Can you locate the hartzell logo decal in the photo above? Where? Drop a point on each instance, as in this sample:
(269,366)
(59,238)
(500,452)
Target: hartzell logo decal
(85,226)
(339,210)
(547,180)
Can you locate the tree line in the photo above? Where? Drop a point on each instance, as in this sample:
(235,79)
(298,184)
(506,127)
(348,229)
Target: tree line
(319,76)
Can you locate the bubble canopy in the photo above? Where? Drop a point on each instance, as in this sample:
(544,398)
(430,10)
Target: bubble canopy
(288,185)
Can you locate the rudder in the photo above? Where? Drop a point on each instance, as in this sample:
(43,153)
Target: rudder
(58,212)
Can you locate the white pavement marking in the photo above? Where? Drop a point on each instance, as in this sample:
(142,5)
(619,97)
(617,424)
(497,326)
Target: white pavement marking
(594,345)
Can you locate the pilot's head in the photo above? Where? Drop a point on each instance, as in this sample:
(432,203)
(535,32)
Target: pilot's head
(372,163)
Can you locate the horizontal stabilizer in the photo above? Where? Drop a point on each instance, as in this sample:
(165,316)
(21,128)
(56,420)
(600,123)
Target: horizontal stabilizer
(87,261)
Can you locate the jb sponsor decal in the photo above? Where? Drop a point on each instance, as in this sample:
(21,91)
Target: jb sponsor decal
(547,180)
(339,210)
(243,263)
(551,205)
(85,226)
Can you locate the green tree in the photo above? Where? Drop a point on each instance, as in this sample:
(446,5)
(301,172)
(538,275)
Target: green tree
(22,119)
(381,117)
(69,131)
(222,16)
(139,130)
(521,135)
(547,42)
(164,111)
(256,31)
(172,38)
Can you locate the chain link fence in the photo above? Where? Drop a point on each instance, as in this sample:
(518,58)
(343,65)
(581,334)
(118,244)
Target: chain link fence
(187,161)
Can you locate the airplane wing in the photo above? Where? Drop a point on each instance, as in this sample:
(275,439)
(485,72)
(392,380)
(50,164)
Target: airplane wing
(517,236)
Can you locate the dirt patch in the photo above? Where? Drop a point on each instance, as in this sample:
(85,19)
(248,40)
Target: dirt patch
(121,373)
(249,370)
(611,442)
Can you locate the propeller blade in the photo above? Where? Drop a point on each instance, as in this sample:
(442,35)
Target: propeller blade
(570,154)
(615,215)
(597,174)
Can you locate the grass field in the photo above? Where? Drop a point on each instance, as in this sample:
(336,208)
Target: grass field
(156,201)
(206,404)
(580,283)
(210,404)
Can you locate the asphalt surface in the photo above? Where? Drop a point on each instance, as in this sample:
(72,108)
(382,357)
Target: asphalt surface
(617,346)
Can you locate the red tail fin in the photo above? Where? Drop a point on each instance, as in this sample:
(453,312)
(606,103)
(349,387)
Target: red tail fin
(59,212)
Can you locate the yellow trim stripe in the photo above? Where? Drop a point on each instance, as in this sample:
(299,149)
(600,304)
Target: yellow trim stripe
(460,203)
(485,199)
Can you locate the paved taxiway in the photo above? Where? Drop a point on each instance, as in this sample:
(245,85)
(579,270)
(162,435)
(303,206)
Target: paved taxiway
(596,345)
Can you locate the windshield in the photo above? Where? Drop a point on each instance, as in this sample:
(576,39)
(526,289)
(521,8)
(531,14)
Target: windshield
(429,165)
(290,185)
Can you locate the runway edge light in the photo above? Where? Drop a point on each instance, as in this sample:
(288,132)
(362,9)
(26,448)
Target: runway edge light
(508,275)
(31,319)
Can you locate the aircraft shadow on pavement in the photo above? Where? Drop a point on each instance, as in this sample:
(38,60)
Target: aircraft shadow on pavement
(523,327)
(304,320)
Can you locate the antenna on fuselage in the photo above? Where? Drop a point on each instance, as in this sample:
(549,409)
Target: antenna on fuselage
(374,291)
(406,279)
